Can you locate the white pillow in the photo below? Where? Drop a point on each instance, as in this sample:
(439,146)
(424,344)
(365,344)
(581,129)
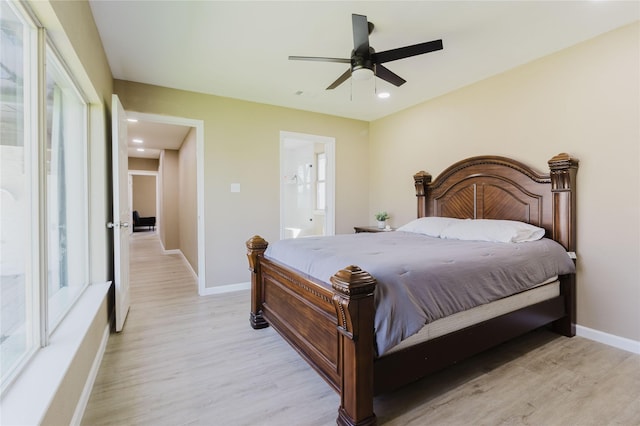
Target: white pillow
(503,231)
(431,226)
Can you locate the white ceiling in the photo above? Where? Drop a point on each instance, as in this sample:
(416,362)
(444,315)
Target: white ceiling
(240,49)
(155,137)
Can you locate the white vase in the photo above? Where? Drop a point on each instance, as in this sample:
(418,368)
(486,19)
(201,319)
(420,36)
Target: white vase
(382,224)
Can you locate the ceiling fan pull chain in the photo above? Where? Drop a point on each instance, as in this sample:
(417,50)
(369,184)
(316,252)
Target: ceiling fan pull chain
(375,84)
(351,91)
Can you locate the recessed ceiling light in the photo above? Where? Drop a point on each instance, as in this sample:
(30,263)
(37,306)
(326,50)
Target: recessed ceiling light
(384,95)
(140,149)
(137,140)
(132,120)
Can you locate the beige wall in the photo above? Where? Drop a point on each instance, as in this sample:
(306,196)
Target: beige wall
(169,190)
(76,24)
(146,164)
(143,195)
(584,101)
(242,146)
(187,200)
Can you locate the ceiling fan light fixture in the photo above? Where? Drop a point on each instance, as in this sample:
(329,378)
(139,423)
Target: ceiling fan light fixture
(365,62)
(362,74)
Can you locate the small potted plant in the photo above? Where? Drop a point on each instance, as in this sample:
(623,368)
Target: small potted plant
(382,217)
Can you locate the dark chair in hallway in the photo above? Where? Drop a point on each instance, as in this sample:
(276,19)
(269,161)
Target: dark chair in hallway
(149,222)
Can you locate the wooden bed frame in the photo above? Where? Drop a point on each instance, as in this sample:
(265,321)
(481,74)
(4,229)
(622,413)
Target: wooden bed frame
(331,326)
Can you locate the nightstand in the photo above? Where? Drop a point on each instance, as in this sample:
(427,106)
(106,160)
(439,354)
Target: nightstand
(359,229)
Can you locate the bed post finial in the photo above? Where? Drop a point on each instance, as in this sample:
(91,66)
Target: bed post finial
(353,300)
(422,180)
(563,168)
(351,285)
(256,247)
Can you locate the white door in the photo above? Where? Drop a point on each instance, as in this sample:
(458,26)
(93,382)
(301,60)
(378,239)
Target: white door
(121,212)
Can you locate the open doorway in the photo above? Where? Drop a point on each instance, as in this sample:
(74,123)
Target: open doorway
(144,198)
(177,145)
(307,185)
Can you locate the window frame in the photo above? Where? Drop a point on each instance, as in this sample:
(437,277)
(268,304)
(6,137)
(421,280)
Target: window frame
(51,53)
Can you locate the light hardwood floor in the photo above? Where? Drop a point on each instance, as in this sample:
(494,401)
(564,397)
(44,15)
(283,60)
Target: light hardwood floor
(183,359)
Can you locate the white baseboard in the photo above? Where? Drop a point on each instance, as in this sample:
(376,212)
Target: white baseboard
(93,374)
(186,262)
(608,339)
(225,289)
(184,258)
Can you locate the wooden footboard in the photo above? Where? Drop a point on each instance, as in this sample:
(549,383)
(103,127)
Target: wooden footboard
(330,327)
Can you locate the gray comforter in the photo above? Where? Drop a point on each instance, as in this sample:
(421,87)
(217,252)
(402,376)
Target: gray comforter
(421,279)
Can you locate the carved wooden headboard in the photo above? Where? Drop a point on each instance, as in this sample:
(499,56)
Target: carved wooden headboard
(491,187)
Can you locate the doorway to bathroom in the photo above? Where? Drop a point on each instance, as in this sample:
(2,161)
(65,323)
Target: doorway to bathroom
(307,185)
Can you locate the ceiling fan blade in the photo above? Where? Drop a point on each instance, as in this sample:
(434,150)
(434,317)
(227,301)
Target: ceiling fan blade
(407,51)
(319,59)
(344,77)
(360,34)
(387,75)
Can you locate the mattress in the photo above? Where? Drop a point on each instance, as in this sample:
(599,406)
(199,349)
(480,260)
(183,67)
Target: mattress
(421,279)
(545,291)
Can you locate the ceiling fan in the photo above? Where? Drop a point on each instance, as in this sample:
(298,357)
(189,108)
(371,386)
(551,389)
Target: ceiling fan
(366,62)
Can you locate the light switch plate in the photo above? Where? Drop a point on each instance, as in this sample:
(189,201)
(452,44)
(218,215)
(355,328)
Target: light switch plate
(235,187)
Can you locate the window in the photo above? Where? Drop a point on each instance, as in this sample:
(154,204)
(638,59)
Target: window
(43,190)
(66,192)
